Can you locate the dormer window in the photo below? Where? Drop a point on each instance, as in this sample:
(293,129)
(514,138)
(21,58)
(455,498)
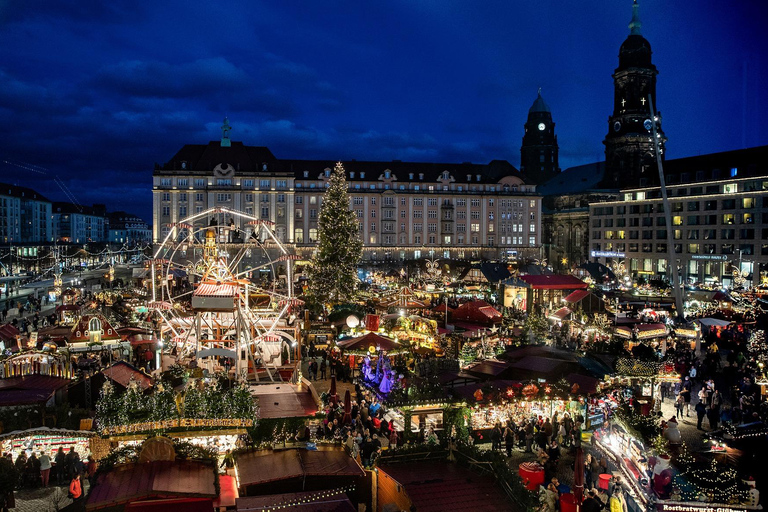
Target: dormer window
(362,175)
(445,175)
(421,175)
(351,174)
(469,177)
(478,177)
(327,173)
(306,174)
(387,174)
(410,175)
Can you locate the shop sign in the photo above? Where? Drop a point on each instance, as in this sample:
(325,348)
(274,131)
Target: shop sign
(695,507)
(712,257)
(607,254)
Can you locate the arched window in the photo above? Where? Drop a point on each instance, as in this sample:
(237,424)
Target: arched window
(94,325)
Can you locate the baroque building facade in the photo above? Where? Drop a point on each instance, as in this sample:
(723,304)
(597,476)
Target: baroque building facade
(406,210)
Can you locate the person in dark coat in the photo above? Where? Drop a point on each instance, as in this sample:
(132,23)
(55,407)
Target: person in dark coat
(701,411)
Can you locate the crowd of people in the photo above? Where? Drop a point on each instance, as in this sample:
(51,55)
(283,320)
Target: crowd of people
(66,468)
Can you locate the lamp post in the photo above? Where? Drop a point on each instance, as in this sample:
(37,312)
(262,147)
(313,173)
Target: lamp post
(667,216)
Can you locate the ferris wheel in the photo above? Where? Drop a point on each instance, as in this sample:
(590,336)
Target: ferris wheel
(222,282)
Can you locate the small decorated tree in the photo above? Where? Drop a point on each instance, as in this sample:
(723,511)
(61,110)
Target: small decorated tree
(468,354)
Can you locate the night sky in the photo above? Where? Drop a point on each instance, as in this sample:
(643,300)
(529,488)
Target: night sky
(96,92)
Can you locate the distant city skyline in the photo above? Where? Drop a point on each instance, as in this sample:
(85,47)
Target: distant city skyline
(96,94)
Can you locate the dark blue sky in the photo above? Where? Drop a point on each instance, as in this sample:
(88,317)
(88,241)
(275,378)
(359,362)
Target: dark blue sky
(98,91)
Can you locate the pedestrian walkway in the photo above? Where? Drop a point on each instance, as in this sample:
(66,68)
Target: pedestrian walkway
(45,499)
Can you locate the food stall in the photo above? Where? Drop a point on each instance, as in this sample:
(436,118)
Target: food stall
(419,417)
(627,453)
(48,440)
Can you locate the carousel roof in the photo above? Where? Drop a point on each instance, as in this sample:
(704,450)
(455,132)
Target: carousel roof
(363,343)
(256,468)
(215,290)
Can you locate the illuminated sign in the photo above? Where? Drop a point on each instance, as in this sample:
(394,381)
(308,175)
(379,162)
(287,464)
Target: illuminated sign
(607,254)
(714,257)
(693,507)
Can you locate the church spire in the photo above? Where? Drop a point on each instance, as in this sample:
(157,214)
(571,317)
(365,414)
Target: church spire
(635,24)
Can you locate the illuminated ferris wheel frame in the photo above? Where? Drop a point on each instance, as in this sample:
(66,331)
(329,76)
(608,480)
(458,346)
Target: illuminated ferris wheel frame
(255,327)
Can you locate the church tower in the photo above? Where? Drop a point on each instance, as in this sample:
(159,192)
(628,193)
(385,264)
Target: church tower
(629,153)
(538,154)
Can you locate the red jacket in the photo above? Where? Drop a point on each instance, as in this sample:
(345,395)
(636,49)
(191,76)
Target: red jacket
(75,489)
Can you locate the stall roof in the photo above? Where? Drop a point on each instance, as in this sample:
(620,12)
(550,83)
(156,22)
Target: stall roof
(488,368)
(437,486)
(263,467)
(298,501)
(46,431)
(30,389)
(122,373)
(554,282)
(185,504)
(713,322)
(168,479)
(368,340)
(538,364)
(576,296)
(561,313)
(650,327)
(8,332)
(284,400)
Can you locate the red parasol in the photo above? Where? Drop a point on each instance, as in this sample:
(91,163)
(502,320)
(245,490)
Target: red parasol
(578,478)
(347,409)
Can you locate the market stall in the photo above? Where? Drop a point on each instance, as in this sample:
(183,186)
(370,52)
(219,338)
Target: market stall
(48,440)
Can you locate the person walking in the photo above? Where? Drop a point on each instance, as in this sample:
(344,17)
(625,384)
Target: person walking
(323,366)
(701,410)
(509,440)
(45,468)
(496,437)
(679,405)
(686,392)
(75,488)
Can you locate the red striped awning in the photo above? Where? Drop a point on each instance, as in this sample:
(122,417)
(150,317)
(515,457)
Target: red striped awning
(215,290)
(162,305)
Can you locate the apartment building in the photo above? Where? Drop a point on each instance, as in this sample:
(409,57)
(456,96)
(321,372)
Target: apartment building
(719,209)
(25,216)
(80,224)
(405,210)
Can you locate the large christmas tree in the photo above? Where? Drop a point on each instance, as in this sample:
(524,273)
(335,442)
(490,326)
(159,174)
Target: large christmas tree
(333,271)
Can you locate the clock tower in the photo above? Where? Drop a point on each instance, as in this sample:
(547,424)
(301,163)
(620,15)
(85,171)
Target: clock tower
(630,159)
(538,154)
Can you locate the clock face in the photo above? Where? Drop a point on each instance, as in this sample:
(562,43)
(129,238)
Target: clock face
(616,126)
(648,124)
(542,126)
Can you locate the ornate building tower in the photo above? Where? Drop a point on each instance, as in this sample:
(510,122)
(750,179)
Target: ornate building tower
(629,154)
(538,154)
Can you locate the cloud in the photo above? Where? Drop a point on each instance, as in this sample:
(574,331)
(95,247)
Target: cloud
(163,80)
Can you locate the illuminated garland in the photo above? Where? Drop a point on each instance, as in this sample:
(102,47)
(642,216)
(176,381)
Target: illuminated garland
(716,484)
